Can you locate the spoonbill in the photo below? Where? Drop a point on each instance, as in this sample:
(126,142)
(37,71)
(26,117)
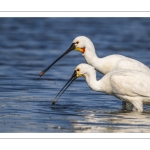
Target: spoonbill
(128,85)
(105,64)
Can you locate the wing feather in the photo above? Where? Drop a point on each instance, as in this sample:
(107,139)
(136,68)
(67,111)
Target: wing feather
(131,83)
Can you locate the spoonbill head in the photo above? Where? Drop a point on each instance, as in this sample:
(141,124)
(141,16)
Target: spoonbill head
(80,43)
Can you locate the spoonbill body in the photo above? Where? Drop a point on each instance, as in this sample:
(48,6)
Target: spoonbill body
(105,64)
(128,85)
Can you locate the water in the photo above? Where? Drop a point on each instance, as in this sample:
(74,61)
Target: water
(28,45)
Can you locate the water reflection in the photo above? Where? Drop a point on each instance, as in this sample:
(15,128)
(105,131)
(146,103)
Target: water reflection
(116,122)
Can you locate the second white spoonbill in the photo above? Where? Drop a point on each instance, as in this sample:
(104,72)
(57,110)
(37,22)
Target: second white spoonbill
(129,86)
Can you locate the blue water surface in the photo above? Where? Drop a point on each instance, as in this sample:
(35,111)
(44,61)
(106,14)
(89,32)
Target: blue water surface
(29,45)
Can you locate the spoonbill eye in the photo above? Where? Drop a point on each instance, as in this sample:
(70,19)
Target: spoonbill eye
(77,42)
(78,69)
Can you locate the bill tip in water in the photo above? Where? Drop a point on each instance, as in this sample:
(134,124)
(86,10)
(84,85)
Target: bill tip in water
(53,103)
(41,73)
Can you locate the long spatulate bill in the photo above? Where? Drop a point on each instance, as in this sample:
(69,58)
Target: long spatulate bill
(72,47)
(73,77)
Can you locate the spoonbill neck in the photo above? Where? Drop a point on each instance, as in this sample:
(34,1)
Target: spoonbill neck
(93,83)
(90,55)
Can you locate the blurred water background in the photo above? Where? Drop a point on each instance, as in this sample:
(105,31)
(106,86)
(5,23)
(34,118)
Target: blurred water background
(28,45)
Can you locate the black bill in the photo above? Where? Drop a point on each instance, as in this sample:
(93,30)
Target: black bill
(73,77)
(72,47)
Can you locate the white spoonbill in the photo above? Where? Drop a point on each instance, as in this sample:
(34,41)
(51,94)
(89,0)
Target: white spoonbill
(127,85)
(105,64)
